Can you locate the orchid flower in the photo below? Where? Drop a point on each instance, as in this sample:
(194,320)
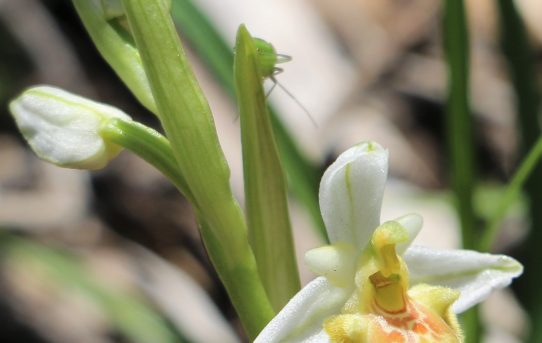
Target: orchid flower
(373,285)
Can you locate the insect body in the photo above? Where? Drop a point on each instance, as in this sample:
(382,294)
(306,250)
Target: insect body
(267,61)
(268,58)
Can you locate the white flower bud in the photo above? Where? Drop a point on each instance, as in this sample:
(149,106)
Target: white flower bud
(63,128)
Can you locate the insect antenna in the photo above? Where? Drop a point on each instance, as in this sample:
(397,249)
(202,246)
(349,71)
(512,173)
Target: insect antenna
(277,83)
(281,58)
(268,93)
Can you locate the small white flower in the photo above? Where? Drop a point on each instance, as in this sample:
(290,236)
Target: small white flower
(373,285)
(63,128)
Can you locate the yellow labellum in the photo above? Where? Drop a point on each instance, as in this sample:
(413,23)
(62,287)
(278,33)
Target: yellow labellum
(384,310)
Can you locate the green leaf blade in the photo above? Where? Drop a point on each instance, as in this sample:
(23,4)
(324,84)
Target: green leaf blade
(460,135)
(119,53)
(303,177)
(521,59)
(265,184)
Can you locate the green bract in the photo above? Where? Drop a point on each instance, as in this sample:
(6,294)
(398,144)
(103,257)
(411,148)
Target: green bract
(267,215)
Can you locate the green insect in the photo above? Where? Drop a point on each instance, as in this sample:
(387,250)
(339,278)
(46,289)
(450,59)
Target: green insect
(267,61)
(268,58)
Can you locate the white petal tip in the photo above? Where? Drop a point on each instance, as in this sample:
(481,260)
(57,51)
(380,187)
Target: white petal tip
(351,193)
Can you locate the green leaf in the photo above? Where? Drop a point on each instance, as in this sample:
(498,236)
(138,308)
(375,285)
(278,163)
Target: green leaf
(205,40)
(303,177)
(458,116)
(188,123)
(459,134)
(511,193)
(115,44)
(521,60)
(269,228)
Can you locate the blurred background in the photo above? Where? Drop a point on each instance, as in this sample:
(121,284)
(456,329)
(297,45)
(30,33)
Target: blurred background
(115,255)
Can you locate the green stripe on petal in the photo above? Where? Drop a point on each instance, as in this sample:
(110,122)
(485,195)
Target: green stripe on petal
(351,193)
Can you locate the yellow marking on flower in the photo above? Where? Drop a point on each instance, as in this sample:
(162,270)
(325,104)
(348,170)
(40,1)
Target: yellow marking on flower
(384,310)
(389,293)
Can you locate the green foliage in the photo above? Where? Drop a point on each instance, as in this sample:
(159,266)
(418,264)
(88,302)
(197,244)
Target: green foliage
(520,58)
(303,177)
(459,134)
(265,184)
(188,123)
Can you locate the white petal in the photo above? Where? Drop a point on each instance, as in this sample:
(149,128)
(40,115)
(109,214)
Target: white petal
(63,128)
(300,321)
(351,193)
(336,262)
(413,224)
(474,274)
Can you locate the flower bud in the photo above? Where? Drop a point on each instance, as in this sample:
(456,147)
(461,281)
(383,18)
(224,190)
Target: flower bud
(63,128)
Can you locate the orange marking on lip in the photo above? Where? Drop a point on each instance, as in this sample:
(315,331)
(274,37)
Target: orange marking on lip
(396,337)
(420,328)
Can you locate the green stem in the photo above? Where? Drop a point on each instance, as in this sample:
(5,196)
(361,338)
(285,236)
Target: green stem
(303,177)
(523,73)
(511,193)
(458,118)
(459,132)
(189,126)
(150,145)
(471,325)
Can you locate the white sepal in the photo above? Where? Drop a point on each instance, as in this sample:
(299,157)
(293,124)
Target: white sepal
(335,262)
(300,321)
(474,274)
(63,128)
(413,224)
(351,193)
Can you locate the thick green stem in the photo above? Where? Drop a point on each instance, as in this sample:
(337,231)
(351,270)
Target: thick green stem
(189,126)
